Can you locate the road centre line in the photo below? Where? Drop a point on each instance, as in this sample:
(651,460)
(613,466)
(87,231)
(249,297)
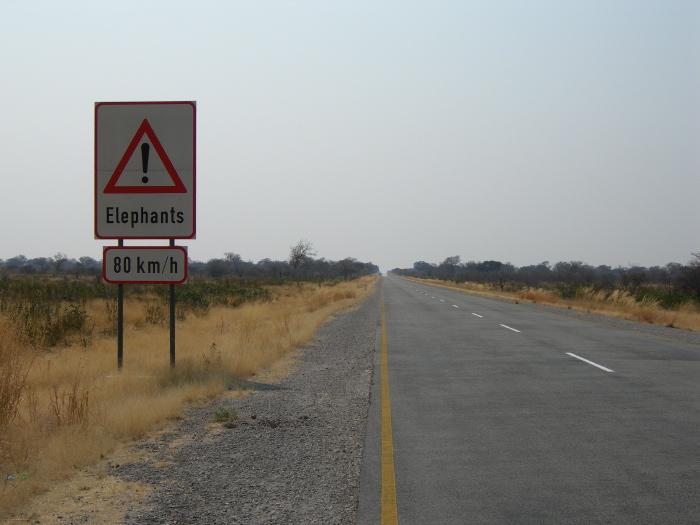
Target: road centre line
(442,300)
(455,306)
(589,362)
(509,328)
(477,315)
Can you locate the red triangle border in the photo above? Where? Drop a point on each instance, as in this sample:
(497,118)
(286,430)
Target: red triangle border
(145,129)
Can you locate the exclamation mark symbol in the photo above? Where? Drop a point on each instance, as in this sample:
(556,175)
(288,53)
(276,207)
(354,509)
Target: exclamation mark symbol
(145,149)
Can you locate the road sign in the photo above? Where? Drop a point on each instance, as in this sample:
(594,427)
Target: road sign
(144,264)
(145,166)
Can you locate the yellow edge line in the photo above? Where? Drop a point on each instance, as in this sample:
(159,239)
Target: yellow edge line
(389,514)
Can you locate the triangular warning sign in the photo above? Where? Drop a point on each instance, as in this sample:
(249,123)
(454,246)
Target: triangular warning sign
(141,184)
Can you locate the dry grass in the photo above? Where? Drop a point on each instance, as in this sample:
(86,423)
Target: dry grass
(64,410)
(615,303)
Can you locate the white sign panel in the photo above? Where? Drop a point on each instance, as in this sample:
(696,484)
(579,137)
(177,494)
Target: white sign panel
(144,264)
(145,157)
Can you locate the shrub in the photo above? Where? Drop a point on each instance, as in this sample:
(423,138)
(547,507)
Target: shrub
(666,298)
(15,363)
(223,415)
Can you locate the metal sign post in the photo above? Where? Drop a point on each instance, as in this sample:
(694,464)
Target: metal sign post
(172,318)
(145,173)
(120,322)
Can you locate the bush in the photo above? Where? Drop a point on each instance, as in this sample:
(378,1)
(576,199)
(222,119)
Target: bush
(568,291)
(223,415)
(15,363)
(666,298)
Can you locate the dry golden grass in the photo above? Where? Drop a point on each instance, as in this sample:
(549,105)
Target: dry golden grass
(73,406)
(617,303)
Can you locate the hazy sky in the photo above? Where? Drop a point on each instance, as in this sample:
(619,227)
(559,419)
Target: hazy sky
(391,132)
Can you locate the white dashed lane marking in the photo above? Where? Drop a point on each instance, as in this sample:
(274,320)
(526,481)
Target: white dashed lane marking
(589,362)
(509,328)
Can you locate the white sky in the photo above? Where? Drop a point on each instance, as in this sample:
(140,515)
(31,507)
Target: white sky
(391,132)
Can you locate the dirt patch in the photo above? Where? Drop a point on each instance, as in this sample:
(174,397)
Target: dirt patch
(91,495)
(94,495)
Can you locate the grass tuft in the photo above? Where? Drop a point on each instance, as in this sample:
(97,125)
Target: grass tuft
(223,415)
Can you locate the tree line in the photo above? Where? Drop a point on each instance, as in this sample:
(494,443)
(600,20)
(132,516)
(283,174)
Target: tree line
(301,265)
(681,280)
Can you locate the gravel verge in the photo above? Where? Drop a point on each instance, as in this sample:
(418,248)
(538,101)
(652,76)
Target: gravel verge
(294,454)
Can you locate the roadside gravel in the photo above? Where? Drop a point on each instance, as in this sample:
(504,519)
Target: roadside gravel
(294,454)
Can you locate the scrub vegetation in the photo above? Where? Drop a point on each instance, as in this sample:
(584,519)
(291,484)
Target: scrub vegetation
(63,402)
(666,296)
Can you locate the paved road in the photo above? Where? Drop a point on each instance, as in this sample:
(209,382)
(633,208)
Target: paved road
(497,419)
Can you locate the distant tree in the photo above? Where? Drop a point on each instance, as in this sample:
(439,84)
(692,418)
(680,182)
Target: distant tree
(623,275)
(574,272)
(424,269)
(449,265)
(232,258)
(689,279)
(673,271)
(308,266)
(238,266)
(89,262)
(489,266)
(217,268)
(16,262)
(251,270)
(59,261)
(535,274)
(88,266)
(300,253)
(195,268)
(637,275)
(271,268)
(322,267)
(27,269)
(605,276)
(41,264)
(347,267)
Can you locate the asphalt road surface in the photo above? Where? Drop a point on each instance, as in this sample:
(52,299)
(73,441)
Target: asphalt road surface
(501,414)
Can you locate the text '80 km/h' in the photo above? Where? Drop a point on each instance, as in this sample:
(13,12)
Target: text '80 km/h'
(154,265)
